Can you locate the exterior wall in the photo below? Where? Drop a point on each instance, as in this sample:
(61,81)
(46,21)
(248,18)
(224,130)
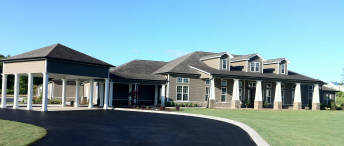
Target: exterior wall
(63,67)
(196,90)
(240,63)
(214,63)
(227,103)
(274,66)
(256,59)
(25,67)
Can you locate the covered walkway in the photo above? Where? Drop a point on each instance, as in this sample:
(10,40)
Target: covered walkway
(57,62)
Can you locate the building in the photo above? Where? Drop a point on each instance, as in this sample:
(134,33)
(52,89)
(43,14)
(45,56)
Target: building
(208,79)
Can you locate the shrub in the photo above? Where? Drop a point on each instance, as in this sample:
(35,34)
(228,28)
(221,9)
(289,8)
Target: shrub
(37,100)
(54,101)
(333,105)
(177,108)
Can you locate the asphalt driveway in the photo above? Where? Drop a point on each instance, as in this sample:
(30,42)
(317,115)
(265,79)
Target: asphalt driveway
(99,127)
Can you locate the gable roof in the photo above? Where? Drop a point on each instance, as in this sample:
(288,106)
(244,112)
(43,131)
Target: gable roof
(58,51)
(245,57)
(276,60)
(139,69)
(181,64)
(216,55)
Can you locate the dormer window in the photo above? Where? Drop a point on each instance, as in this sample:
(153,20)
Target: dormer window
(224,64)
(282,68)
(255,67)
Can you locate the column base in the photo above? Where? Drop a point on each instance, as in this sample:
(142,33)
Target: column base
(235,104)
(297,106)
(211,103)
(258,105)
(277,105)
(315,106)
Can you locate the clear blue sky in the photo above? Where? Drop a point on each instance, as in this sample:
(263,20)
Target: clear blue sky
(309,33)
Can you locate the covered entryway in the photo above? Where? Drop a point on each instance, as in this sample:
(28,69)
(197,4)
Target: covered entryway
(56,62)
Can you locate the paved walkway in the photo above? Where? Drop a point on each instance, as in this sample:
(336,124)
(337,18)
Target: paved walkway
(111,127)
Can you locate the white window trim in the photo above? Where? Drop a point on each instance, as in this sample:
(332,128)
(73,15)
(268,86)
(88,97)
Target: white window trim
(252,83)
(255,67)
(182,99)
(205,82)
(283,68)
(183,80)
(266,97)
(226,82)
(226,97)
(221,63)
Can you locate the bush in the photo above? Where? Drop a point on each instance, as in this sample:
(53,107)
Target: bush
(54,101)
(339,99)
(333,105)
(37,100)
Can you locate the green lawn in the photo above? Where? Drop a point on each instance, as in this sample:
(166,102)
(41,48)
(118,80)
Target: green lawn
(18,134)
(287,127)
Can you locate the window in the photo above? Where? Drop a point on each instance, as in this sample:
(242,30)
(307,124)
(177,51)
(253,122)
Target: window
(255,66)
(268,93)
(223,94)
(179,80)
(207,82)
(268,96)
(240,89)
(224,64)
(182,93)
(310,94)
(182,80)
(283,97)
(207,89)
(282,68)
(224,83)
(251,84)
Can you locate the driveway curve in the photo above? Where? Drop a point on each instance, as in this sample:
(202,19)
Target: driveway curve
(99,127)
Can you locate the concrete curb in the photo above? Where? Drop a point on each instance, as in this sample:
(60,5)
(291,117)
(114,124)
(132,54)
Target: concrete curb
(251,132)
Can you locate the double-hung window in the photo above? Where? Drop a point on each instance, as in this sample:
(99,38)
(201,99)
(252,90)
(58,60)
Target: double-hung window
(282,68)
(240,89)
(182,80)
(252,84)
(182,93)
(223,90)
(255,67)
(224,64)
(268,93)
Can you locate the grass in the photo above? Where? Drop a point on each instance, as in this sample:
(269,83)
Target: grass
(287,127)
(18,134)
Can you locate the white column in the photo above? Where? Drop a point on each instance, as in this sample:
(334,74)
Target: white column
(45,92)
(77,87)
(316,99)
(130,95)
(64,84)
(106,98)
(278,96)
(163,96)
(212,99)
(4,88)
(111,94)
(297,97)
(156,95)
(29,91)
(236,95)
(90,92)
(16,91)
(212,89)
(258,100)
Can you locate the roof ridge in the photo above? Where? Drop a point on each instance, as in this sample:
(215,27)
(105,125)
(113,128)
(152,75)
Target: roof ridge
(182,59)
(52,48)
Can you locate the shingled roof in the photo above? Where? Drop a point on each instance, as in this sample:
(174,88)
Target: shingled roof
(182,64)
(244,57)
(215,55)
(139,69)
(277,60)
(60,52)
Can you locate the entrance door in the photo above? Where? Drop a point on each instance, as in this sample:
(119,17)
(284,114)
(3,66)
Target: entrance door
(250,97)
